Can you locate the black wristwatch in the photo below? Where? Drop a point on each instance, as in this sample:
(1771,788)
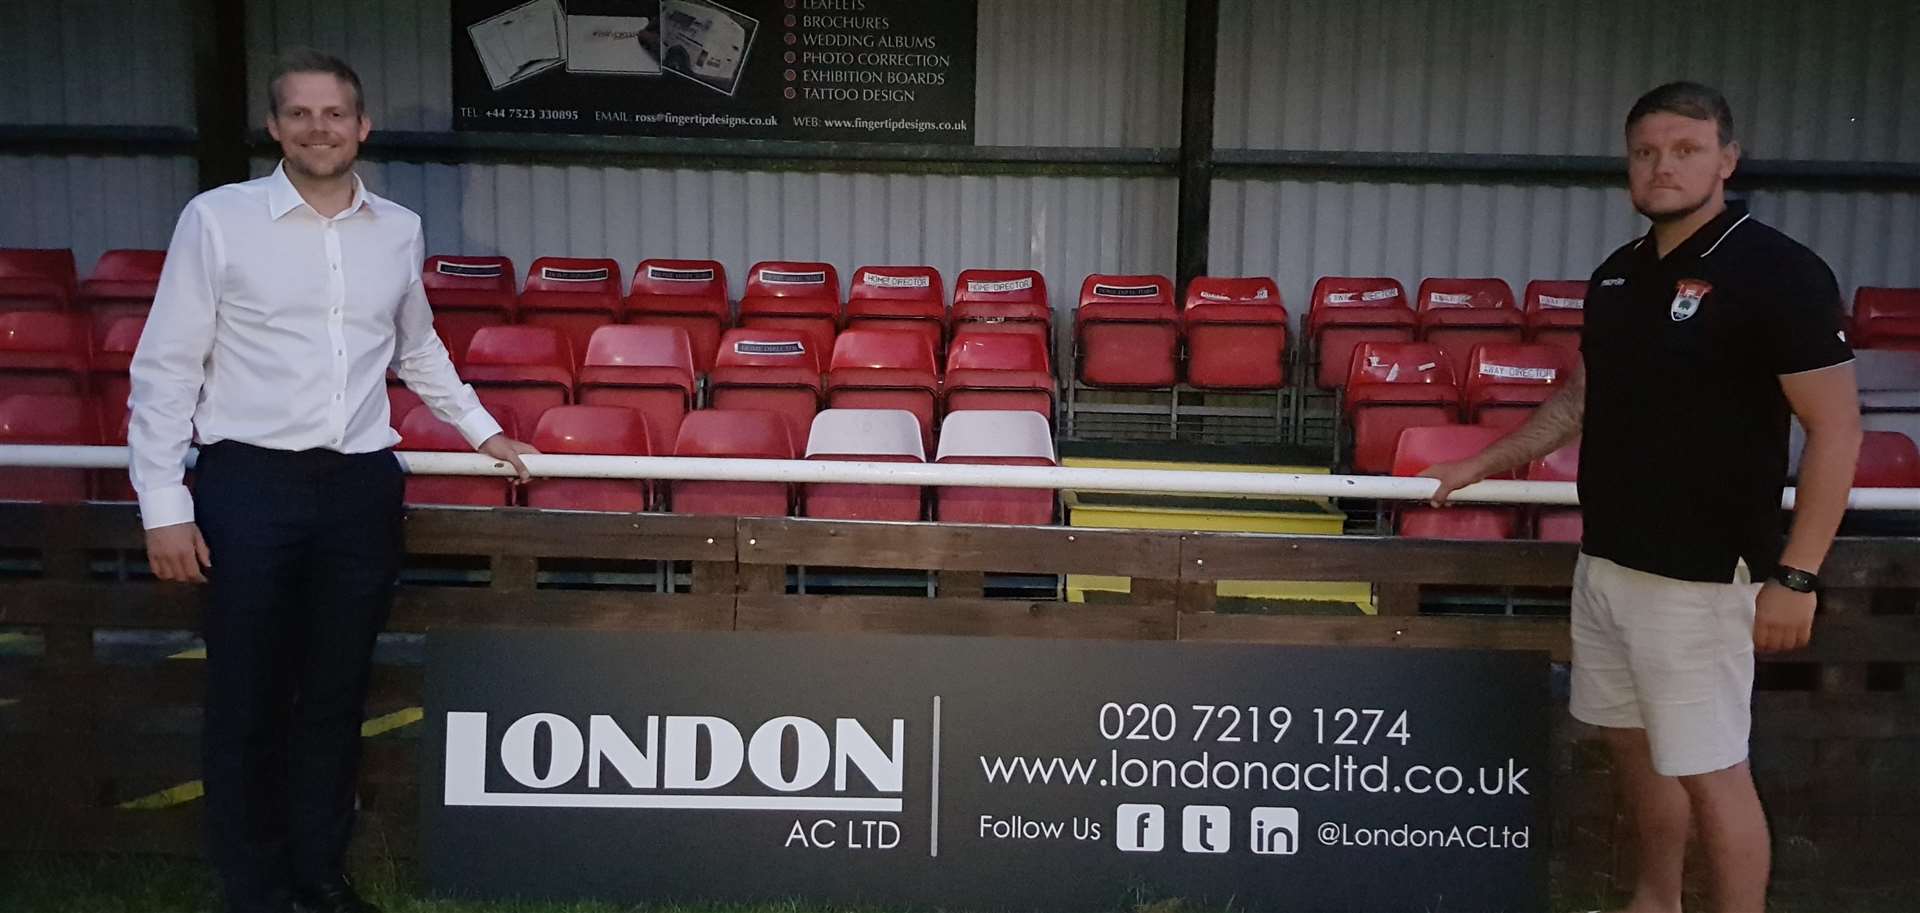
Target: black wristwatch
(1797,580)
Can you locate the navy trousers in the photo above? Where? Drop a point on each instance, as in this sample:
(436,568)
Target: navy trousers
(306,548)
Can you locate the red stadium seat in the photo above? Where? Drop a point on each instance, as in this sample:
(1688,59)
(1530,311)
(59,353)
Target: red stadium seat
(1393,386)
(785,294)
(1888,459)
(733,434)
(1886,318)
(111,368)
(867,435)
(1555,311)
(1127,332)
(122,285)
(574,295)
(1557,524)
(1347,311)
(773,370)
(1004,301)
(595,430)
(1420,448)
(47,418)
(115,484)
(689,294)
(1507,381)
(422,431)
(44,352)
(911,298)
(36,279)
(467,293)
(524,368)
(646,368)
(1236,334)
(1458,314)
(885,369)
(995,438)
(998,371)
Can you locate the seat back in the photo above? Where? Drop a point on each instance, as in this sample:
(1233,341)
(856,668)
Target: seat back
(1442,293)
(527,369)
(1886,318)
(1000,287)
(1888,459)
(1562,465)
(36,278)
(1399,363)
(996,433)
(47,418)
(1506,381)
(451,281)
(972,351)
(747,347)
(44,352)
(1117,289)
(793,279)
(1339,292)
(666,349)
(596,279)
(1000,438)
(595,430)
(1554,296)
(863,433)
(1420,448)
(733,434)
(123,275)
(421,430)
(1252,290)
(691,286)
(917,284)
(894,350)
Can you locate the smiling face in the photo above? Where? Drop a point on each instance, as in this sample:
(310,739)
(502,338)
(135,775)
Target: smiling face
(1676,165)
(318,123)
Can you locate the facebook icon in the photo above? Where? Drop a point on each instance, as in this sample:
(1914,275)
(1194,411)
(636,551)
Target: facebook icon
(1140,828)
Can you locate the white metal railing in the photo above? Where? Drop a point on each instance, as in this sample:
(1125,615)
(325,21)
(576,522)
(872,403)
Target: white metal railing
(1243,484)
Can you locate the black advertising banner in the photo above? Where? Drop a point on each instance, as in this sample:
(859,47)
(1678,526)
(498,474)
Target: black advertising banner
(820,70)
(957,772)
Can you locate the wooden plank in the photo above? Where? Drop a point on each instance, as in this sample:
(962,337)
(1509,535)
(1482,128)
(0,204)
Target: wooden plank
(1397,599)
(1547,634)
(1855,563)
(120,689)
(146,604)
(1238,556)
(97,526)
(962,584)
(513,573)
(418,609)
(1844,606)
(957,547)
(569,534)
(980,617)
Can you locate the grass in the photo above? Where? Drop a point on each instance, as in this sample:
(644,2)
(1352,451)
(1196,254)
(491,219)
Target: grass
(145,884)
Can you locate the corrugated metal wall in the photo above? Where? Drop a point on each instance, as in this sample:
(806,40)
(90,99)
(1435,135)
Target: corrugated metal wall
(90,203)
(97,62)
(1835,80)
(1055,73)
(1065,227)
(1297,231)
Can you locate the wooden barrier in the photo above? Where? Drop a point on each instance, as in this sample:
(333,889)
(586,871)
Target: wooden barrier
(85,729)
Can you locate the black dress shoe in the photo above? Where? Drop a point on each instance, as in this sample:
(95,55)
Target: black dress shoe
(334,897)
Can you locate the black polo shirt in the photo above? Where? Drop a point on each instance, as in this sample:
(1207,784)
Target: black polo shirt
(1684,451)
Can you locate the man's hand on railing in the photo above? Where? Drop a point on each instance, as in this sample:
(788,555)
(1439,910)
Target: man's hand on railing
(178,553)
(1453,477)
(509,451)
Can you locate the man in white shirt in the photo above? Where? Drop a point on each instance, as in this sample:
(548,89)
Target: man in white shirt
(283,304)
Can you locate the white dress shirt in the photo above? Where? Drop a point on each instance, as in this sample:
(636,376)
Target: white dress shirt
(275,326)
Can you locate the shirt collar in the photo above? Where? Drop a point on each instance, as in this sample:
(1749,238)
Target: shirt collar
(1703,238)
(283,197)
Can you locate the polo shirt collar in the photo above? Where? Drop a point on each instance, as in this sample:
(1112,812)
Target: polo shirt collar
(1704,239)
(283,197)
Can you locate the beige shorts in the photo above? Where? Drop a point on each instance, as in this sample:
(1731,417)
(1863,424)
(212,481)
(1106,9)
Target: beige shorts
(1673,657)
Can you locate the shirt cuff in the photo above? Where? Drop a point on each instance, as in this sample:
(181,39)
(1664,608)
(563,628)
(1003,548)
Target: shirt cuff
(169,506)
(477,426)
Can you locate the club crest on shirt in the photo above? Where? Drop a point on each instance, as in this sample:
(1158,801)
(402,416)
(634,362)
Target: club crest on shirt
(1686,298)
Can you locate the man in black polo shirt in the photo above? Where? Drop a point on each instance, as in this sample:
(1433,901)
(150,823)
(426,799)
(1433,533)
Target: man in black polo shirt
(1699,339)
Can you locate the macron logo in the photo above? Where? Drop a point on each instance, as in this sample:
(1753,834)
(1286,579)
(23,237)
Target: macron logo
(1609,283)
